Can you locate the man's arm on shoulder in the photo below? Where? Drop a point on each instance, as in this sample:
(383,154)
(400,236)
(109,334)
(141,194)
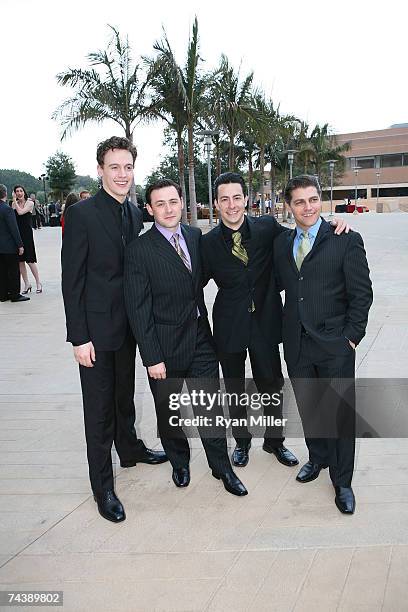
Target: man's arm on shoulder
(358,288)
(139,305)
(74,256)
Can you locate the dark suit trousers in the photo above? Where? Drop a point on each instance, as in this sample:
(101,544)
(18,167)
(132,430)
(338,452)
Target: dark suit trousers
(9,276)
(201,374)
(324,387)
(109,412)
(267,375)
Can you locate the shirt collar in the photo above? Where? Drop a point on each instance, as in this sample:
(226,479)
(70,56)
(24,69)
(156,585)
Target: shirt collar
(312,230)
(166,232)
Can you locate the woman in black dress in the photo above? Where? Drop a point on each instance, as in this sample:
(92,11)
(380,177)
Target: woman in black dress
(23,207)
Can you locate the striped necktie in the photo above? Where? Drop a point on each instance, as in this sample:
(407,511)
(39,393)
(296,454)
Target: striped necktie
(304,248)
(238,249)
(180,252)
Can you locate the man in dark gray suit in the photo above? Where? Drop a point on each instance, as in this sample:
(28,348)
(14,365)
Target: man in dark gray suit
(166,309)
(11,246)
(327,299)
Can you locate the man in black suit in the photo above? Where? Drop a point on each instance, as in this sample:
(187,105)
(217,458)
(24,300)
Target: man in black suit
(166,309)
(96,232)
(327,299)
(238,255)
(11,246)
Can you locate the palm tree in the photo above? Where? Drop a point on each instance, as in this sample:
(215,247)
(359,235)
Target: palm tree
(115,91)
(233,98)
(320,147)
(190,86)
(167,104)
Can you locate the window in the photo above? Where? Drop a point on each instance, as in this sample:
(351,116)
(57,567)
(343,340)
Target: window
(405,159)
(391,161)
(365,162)
(390,192)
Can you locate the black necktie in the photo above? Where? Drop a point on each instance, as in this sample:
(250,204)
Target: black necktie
(125,222)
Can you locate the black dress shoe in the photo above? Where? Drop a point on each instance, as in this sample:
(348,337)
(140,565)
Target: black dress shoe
(19,298)
(283,455)
(240,456)
(345,500)
(148,456)
(181,476)
(231,482)
(310,471)
(110,507)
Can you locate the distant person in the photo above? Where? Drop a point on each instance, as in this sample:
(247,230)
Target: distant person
(11,246)
(23,207)
(72,198)
(84,194)
(35,214)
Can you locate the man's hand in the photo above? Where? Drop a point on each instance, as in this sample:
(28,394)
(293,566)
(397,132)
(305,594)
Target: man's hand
(85,354)
(157,371)
(21,250)
(353,346)
(341,225)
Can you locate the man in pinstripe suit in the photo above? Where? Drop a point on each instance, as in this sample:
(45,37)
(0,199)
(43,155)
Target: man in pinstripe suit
(166,310)
(327,299)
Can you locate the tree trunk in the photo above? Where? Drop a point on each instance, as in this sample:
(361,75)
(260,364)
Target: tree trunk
(132,193)
(250,183)
(272,177)
(262,172)
(231,156)
(180,156)
(191,178)
(217,157)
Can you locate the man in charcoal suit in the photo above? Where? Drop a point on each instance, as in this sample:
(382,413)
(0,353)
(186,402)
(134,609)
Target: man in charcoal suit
(327,299)
(11,246)
(96,233)
(165,305)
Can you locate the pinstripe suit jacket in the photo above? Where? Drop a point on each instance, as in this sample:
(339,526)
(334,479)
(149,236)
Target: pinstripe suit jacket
(331,294)
(162,298)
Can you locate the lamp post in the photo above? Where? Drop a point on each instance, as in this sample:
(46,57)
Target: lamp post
(331,163)
(378,174)
(44,178)
(291,157)
(208,144)
(355,170)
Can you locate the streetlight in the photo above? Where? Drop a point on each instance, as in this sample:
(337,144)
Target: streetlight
(355,170)
(378,174)
(291,157)
(331,163)
(44,178)
(208,144)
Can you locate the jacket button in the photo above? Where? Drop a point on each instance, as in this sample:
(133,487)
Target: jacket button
(300,299)
(250,309)
(300,277)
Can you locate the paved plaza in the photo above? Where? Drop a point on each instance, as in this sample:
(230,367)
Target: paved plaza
(284,547)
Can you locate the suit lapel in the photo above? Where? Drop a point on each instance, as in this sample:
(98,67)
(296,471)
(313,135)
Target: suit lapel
(167,251)
(105,218)
(289,246)
(322,235)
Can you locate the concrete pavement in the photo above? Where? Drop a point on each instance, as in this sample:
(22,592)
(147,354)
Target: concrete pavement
(283,547)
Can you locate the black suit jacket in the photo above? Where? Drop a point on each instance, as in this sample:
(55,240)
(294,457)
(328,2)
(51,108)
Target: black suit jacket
(92,273)
(162,298)
(239,285)
(331,294)
(10,239)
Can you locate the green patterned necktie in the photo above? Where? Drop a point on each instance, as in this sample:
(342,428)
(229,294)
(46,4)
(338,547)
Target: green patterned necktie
(238,249)
(303,249)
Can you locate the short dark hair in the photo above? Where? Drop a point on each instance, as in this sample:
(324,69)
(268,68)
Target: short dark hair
(114,142)
(303,180)
(226,178)
(3,191)
(23,188)
(164,182)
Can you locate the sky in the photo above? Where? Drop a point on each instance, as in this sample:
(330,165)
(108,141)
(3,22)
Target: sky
(341,63)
